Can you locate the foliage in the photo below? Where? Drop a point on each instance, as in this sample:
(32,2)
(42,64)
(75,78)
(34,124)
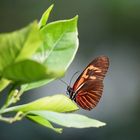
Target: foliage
(32,57)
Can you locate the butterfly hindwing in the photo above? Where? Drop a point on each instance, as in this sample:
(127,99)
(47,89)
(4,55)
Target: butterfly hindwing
(89,94)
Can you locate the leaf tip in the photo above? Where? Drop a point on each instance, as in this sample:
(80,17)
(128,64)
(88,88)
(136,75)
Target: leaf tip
(59,130)
(50,8)
(75,18)
(45,16)
(101,124)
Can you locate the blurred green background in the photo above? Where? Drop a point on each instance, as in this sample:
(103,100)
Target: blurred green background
(106,27)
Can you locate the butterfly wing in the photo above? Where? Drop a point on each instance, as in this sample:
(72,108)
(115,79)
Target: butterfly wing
(89,94)
(89,85)
(95,70)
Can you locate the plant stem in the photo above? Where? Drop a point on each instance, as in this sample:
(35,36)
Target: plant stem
(17,117)
(13,97)
(4,119)
(6,110)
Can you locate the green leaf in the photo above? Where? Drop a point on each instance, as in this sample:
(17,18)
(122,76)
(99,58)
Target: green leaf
(59,48)
(44,122)
(27,71)
(45,17)
(33,85)
(19,45)
(68,120)
(60,45)
(3,83)
(57,103)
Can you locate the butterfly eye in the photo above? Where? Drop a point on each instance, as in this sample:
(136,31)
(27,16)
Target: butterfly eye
(69,89)
(67,92)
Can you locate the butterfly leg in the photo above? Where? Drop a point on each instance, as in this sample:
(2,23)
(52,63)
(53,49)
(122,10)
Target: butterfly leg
(74,96)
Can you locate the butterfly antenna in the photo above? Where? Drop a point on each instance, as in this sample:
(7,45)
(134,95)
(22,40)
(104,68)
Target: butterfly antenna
(63,82)
(73,77)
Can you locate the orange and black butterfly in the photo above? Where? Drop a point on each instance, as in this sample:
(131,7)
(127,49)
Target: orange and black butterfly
(88,88)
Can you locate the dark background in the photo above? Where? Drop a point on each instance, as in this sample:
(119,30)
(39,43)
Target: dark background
(106,27)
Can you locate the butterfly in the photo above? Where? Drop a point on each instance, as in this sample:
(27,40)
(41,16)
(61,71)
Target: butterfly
(87,89)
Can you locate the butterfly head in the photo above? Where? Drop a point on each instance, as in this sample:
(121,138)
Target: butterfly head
(70,92)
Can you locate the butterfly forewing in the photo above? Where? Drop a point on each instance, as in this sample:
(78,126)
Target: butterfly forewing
(96,69)
(89,85)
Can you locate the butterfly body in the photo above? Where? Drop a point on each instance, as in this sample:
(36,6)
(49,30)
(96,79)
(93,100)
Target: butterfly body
(88,88)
